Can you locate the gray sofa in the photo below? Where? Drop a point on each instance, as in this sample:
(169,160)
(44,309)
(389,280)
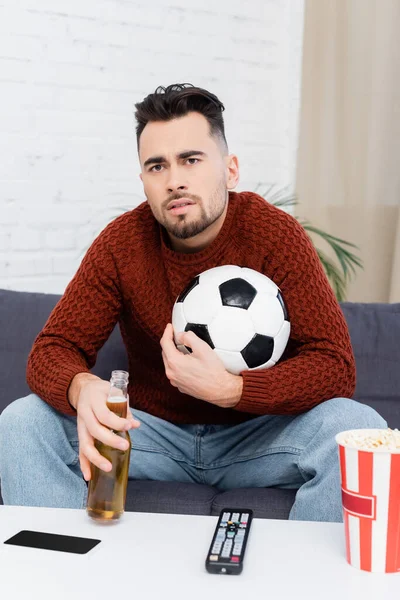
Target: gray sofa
(375,334)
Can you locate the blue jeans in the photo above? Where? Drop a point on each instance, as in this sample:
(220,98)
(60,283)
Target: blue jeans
(39,463)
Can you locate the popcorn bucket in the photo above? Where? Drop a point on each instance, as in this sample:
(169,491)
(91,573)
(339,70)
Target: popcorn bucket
(370,475)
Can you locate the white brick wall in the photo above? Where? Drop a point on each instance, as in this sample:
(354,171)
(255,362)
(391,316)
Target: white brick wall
(70,73)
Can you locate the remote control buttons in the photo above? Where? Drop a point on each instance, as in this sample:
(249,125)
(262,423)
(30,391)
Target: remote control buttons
(226,550)
(235,517)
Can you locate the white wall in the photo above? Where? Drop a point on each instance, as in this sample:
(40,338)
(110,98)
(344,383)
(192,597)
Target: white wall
(70,73)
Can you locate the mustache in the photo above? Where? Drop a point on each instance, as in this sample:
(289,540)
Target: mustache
(179,196)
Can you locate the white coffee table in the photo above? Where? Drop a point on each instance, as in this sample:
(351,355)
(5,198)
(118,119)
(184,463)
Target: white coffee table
(150,556)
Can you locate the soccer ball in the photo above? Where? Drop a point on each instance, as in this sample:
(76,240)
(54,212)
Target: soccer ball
(239,312)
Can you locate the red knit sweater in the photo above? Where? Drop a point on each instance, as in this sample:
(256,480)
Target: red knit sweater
(130,275)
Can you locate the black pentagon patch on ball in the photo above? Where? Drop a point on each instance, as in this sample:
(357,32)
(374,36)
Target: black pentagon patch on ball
(237,292)
(285,312)
(258,351)
(201,331)
(188,289)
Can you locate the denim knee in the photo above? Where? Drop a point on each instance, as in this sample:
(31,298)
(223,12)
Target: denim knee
(344,413)
(23,415)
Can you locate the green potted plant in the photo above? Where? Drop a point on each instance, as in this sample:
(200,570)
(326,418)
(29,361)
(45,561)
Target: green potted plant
(339,272)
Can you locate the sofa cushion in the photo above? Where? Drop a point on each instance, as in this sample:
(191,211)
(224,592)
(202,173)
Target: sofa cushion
(196,499)
(267,503)
(375,334)
(22,317)
(170,497)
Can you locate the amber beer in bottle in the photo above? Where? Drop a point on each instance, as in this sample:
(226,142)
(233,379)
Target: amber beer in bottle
(107,489)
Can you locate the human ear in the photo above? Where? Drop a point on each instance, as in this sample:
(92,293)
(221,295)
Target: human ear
(232,168)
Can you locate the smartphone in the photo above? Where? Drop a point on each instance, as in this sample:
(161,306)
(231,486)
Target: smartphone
(52,541)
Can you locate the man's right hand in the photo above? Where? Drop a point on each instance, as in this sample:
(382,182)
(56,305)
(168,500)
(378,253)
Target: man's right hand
(88,395)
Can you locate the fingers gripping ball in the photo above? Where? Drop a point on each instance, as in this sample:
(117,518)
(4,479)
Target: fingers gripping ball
(239,312)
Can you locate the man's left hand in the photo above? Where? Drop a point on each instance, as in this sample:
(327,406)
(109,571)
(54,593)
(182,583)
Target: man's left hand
(200,374)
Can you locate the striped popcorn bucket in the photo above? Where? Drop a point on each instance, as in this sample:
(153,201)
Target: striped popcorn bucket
(371,506)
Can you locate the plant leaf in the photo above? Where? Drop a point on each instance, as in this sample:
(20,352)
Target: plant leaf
(328,235)
(338,275)
(334,275)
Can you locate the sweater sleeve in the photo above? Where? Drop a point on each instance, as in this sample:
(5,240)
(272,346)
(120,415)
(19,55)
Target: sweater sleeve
(318,363)
(77,327)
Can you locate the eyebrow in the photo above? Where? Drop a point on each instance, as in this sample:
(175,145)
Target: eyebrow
(182,155)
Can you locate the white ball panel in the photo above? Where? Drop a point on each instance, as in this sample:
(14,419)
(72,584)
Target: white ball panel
(178,318)
(218,275)
(183,349)
(261,282)
(232,329)
(266,365)
(233,361)
(202,304)
(280,341)
(266,314)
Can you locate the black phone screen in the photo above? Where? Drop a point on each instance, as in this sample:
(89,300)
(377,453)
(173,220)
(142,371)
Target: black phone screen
(52,541)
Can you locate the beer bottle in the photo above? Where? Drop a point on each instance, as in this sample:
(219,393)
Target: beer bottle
(107,489)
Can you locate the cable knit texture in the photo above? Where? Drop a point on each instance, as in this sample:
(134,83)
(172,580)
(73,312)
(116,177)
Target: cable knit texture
(131,275)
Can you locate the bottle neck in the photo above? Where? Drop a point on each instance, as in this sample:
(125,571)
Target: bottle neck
(117,400)
(118,387)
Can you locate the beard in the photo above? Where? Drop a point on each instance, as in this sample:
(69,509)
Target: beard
(183,228)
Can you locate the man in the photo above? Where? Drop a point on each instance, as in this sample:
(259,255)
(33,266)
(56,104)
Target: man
(196,422)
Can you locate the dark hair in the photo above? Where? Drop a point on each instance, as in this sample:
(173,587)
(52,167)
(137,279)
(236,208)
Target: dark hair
(178,100)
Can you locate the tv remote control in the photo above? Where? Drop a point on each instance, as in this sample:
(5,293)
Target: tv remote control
(229,541)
